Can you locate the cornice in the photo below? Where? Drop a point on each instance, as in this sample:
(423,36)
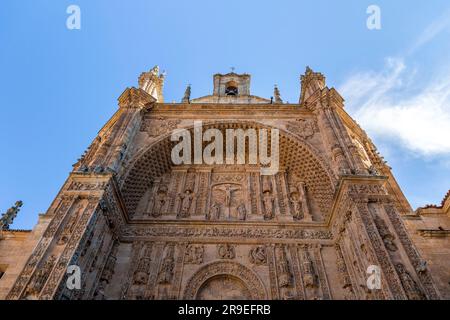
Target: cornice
(272,111)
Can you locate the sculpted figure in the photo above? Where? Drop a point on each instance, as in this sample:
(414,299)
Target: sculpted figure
(242,212)
(258,255)
(166,272)
(284,272)
(226,251)
(268,201)
(186,201)
(194,254)
(298,209)
(214,212)
(160,202)
(310,276)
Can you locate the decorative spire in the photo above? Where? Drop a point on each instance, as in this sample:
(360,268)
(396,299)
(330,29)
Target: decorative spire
(135,98)
(276,94)
(187,94)
(152,82)
(8,217)
(311,82)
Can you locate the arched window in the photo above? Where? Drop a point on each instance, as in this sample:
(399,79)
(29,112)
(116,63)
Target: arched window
(231,89)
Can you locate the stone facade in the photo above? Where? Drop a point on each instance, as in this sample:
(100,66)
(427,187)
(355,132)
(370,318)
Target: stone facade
(141,227)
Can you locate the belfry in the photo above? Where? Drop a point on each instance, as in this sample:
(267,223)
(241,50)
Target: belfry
(140,226)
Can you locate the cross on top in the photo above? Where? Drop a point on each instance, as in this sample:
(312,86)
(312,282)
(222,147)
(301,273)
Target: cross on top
(232,69)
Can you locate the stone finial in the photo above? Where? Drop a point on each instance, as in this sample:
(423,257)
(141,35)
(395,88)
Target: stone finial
(152,82)
(135,98)
(187,94)
(311,82)
(8,217)
(276,94)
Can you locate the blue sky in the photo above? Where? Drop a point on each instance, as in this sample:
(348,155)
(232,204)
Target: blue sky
(59,86)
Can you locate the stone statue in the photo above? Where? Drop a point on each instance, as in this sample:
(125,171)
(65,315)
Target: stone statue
(166,272)
(228,194)
(284,272)
(242,212)
(268,201)
(310,276)
(8,217)
(214,212)
(187,95)
(276,94)
(186,201)
(161,199)
(226,251)
(297,208)
(194,254)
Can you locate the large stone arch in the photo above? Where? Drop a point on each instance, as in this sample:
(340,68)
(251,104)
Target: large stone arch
(231,270)
(295,153)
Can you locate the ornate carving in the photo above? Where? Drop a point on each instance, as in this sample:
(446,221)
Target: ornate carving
(410,286)
(159,126)
(226,251)
(251,280)
(165,274)
(226,232)
(186,201)
(40,277)
(223,178)
(268,202)
(343,274)
(194,254)
(242,212)
(386,235)
(70,225)
(258,255)
(142,271)
(309,272)
(86,186)
(305,128)
(283,268)
(214,212)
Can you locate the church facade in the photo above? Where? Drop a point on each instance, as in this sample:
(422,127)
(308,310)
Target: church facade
(328,224)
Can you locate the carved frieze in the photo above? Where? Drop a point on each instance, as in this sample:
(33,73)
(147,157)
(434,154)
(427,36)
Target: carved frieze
(305,128)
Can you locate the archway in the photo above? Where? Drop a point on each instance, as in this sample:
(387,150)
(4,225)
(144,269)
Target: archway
(238,282)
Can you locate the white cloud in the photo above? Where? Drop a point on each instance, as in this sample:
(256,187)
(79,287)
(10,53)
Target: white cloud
(382,103)
(431,31)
